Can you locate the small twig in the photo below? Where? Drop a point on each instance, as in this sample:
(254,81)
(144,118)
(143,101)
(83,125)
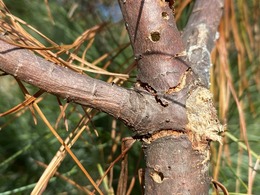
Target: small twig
(221,186)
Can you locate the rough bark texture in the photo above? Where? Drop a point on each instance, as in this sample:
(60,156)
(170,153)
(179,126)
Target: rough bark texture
(155,41)
(200,34)
(175,163)
(175,168)
(138,110)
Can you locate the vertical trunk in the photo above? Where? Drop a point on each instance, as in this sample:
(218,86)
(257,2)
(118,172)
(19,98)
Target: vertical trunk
(176,157)
(174,167)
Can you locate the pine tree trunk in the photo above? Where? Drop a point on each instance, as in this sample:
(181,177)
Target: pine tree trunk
(177,153)
(174,167)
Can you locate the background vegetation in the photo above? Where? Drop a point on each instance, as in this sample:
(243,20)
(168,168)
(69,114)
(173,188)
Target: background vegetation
(27,145)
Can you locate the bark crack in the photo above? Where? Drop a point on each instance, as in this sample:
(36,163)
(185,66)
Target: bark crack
(160,134)
(181,84)
(158,97)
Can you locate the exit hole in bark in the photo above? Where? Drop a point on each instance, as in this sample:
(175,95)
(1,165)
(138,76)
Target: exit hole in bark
(157,177)
(155,36)
(165,15)
(161,175)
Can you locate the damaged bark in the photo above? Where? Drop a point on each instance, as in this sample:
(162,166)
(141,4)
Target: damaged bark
(200,35)
(174,167)
(155,41)
(176,159)
(138,109)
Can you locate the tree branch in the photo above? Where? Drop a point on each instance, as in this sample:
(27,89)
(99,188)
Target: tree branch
(63,82)
(200,34)
(135,109)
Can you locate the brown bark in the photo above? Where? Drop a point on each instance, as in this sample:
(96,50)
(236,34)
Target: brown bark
(137,109)
(176,161)
(155,41)
(174,167)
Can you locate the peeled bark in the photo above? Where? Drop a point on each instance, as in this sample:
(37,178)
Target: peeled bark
(200,35)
